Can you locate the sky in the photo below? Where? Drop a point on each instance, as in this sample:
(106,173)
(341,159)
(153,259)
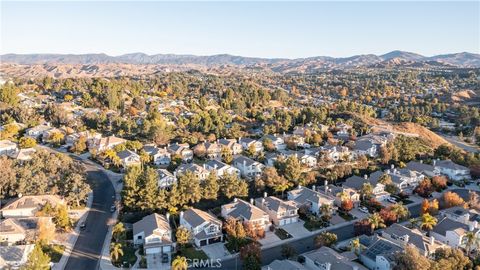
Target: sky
(256,29)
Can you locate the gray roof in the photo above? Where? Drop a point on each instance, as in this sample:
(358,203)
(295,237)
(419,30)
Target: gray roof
(363,145)
(336,260)
(275,204)
(375,177)
(213,163)
(382,247)
(355,182)
(242,159)
(450,165)
(414,236)
(196,217)
(447,224)
(284,265)
(419,167)
(242,209)
(150,223)
(14,253)
(126,153)
(305,195)
(164,173)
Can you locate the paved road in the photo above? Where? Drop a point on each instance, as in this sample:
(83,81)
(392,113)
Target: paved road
(455,140)
(87,249)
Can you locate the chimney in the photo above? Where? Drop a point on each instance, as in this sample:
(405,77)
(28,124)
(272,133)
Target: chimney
(365,176)
(167,216)
(475,224)
(235,200)
(215,166)
(421,161)
(239,138)
(471,226)
(244,163)
(265,194)
(406,238)
(467,218)
(432,240)
(263,201)
(392,167)
(434,162)
(204,166)
(251,201)
(328,266)
(314,188)
(299,186)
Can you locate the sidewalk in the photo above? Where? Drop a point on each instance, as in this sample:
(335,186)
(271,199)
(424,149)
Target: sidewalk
(73,236)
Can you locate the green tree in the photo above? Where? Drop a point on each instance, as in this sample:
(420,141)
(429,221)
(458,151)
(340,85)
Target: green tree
(325,239)
(80,145)
(210,187)
(428,221)
(232,186)
(376,221)
(411,259)
(9,94)
(131,188)
(149,189)
(119,232)
(227,155)
(293,169)
(116,251)
(179,263)
(61,218)
(355,246)
(37,260)
(27,142)
(400,210)
(183,236)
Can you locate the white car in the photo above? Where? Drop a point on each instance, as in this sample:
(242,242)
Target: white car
(391,199)
(363,209)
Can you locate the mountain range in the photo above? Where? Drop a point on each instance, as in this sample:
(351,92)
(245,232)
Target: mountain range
(137,64)
(463,59)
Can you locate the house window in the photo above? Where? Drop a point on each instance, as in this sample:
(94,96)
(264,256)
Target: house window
(139,237)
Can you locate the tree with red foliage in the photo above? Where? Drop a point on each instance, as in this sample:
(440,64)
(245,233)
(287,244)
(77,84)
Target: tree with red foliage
(362,227)
(388,216)
(347,205)
(439,182)
(424,188)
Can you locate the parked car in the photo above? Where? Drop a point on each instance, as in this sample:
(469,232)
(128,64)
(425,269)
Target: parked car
(392,200)
(363,209)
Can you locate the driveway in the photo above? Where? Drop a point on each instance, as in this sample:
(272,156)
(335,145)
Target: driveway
(154,261)
(296,229)
(270,238)
(358,214)
(215,251)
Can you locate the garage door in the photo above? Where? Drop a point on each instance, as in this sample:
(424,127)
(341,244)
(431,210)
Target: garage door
(203,243)
(152,250)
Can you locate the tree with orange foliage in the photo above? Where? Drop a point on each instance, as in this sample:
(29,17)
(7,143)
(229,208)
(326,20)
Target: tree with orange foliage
(425,207)
(389,217)
(452,199)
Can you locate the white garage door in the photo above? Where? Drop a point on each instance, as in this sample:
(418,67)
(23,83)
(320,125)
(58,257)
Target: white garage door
(152,250)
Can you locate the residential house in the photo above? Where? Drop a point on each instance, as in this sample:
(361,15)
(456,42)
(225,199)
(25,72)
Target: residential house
(246,212)
(246,143)
(335,152)
(92,137)
(277,141)
(280,212)
(7,148)
(24,154)
(380,254)
(200,171)
(13,257)
(154,233)
(160,156)
(423,168)
(221,168)
(165,179)
(284,265)
(340,193)
(211,150)
(365,148)
(47,134)
(326,258)
(465,216)
(248,167)
(356,183)
(11,231)
(181,150)
(106,143)
(405,179)
(310,198)
(453,233)
(129,158)
(206,229)
(402,236)
(231,144)
(37,131)
(27,206)
(452,170)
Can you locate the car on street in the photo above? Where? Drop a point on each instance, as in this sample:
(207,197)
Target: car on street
(363,209)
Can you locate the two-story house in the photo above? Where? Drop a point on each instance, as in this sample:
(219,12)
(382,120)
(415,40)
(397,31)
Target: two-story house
(310,198)
(181,150)
(452,170)
(453,233)
(231,144)
(277,141)
(160,156)
(280,212)
(165,179)
(206,229)
(200,171)
(246,143)
(221,168)
(106,143)
(209,150)
(28,206)
(155,234)
(248,167)
(129,158)
(8,148)
(246,212)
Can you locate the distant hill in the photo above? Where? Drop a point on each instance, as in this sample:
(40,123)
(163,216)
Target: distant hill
(71,65)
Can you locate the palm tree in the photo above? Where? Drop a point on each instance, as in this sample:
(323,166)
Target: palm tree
(355,246)
(428,221)
(180,263)
(118,231)
(414,222)
(376,221)
(400,210)
(471,241)
(116,251)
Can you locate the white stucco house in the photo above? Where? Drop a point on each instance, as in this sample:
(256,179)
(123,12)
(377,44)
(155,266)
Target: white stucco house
(206,229)
(155,234)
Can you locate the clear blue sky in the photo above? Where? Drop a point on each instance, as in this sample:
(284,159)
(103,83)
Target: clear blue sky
(262,29)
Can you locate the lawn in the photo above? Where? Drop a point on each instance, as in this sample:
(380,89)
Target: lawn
(313,225)
(345,216)
(282,234)
(128,256)
(192,253)
(54,251)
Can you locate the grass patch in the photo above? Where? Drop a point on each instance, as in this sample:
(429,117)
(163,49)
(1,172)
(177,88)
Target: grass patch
(346,216)
(191,252)
(282,234)
(234,245)
(313,225)
(54,251)
(128,256)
